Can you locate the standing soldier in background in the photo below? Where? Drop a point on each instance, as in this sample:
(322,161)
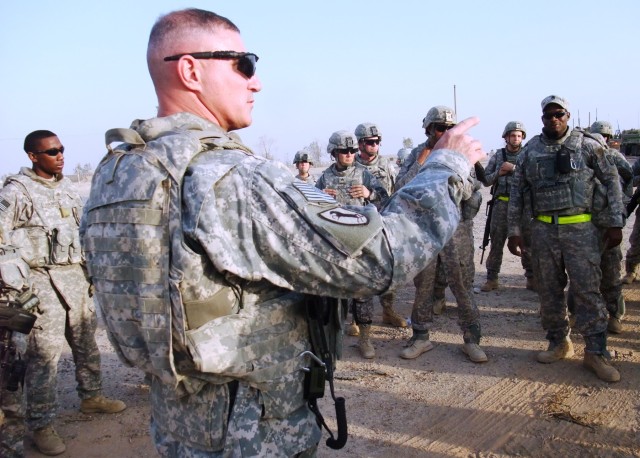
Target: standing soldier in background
(611,263)
(369,139)
(303,162)
(350,183)
(632,258)
(401,156)
(570,180)
(499,175)
(456,257)
(40,215)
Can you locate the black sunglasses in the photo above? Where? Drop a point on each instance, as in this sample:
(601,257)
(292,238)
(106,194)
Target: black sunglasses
(371,142)
(557,115)
(246,60)
(51,151)
(346,151)
(443,127)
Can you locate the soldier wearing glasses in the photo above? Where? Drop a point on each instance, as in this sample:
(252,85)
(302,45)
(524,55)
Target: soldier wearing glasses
(40,214)
(571,186)
(456,258)
(351,183)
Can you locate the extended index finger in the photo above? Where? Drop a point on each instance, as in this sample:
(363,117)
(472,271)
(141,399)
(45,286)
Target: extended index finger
(463,126)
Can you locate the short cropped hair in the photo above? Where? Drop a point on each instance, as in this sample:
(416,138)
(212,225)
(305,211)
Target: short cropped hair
(35,136)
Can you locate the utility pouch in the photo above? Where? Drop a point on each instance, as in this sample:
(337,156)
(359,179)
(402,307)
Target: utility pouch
(61,241)
(564,162)
(314,381)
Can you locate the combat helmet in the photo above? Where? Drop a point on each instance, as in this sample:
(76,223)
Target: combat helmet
(514,125)
(366,130)
(441,115)
(302,156)
(602,127)
(342,139)
(402,155)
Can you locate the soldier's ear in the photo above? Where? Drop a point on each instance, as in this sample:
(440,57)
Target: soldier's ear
(568,115)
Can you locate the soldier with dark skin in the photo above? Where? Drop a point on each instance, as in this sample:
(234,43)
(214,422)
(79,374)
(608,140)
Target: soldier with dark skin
(563,174)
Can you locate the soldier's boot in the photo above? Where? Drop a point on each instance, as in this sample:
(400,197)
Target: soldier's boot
(439,301)
(353,329)
(471,346)
(389,315)
(48,442)
(598,363)
(490,285)
(629,278)
(418,344)
(614,326)
(364,344)
(556,351)
(531,284)
(100,404)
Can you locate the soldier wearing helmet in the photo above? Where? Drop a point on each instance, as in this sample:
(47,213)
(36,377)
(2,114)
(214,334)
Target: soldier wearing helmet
(369,138)
(560,183)
(499,175)
(456,257)
(350,183)
(303,163)
(402,155)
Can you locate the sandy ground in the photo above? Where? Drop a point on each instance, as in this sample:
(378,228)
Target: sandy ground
(439,405)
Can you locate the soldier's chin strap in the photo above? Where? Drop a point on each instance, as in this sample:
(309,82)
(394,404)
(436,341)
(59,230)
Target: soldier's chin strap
(321,370)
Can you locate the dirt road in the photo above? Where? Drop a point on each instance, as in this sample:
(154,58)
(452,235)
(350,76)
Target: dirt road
(439,405)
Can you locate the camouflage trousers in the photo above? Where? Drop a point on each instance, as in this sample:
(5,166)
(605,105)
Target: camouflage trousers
(215,424)
(362,309)
(498,233)
(633,253)
(455,259)
(65,312)
(12,414)
(568,251)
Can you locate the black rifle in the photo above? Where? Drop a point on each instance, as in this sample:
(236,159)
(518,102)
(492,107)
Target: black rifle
(633,203)
(486,238)
(14,319)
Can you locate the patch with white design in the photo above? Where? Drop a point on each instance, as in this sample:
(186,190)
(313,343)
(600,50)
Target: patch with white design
(345,217)
(4,205)
(311,193)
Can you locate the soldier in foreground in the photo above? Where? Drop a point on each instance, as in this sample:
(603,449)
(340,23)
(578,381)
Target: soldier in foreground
(40,215)
(350,183)
(369,139)
(212,275)
(559,172)
(499,175)
(303,162)
(456,258)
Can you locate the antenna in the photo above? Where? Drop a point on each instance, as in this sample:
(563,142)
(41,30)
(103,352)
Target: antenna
(455,103)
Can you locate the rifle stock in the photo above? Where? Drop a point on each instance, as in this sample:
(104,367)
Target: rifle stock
(486,238)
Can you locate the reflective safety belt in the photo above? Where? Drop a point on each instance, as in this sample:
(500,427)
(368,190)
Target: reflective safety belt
(503,198)
(573,219)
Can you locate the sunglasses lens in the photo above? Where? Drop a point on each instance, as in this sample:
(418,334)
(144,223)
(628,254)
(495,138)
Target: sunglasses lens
(371,142)
(557,115)
(247,65)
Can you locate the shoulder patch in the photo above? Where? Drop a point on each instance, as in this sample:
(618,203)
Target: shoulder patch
(311,193)
(4,205)
(345,216)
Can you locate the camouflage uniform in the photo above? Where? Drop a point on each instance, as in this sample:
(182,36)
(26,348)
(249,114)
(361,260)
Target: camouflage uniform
(632,259)
(41,218)
(249,229)
(308,179)
(341,181)
(499,212)
(303,156)
(564,249)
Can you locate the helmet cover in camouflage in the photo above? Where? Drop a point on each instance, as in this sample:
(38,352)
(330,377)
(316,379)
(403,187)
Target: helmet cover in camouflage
(602,128)
(366,130)
(342,139)
(514,125)
(562,102)
(441,115)
(402,154)
(302,156)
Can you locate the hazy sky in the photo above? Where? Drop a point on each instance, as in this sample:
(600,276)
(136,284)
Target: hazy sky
(78,68)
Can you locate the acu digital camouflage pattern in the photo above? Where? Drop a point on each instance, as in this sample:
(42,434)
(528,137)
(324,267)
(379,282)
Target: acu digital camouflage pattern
(14,278)
(343,180)
(246,236)
(498,228)
(41,218)
(573,250)
(384,170)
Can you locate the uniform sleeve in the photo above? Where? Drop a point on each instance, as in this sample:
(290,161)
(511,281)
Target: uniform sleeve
(516,197)
(380,195)
(249,230)
(409,170)
(491,171)
(605,170)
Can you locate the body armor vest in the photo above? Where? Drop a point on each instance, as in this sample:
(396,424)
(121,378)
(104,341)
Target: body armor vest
(342,181)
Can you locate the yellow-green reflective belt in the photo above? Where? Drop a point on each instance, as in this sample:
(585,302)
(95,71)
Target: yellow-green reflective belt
(573,219)
(503,198)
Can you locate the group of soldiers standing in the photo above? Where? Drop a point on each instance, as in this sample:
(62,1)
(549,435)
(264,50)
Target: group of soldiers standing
(559,200)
